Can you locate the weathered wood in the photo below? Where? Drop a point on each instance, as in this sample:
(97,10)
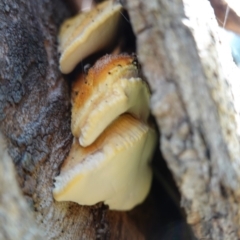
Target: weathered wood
(181,57)
(13,207)
(192,103)
(35,118)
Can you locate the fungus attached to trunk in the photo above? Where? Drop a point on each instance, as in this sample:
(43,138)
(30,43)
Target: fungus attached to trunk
(111,87)
(110,157)
(113,143)
(86,33)
(115,169)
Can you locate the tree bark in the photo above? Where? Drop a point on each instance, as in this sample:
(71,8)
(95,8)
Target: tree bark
(13,207)
(195,110)
(192,103)
(35,118)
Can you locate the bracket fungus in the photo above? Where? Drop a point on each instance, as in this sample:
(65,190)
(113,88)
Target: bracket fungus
(111,103)
(109,160)
(115,169)
(111,87)
(86,33)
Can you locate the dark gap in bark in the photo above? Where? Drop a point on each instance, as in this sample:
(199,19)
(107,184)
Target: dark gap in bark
(172,221)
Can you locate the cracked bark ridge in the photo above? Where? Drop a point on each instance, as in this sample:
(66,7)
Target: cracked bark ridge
(192,102)
(13,207)
(35,118)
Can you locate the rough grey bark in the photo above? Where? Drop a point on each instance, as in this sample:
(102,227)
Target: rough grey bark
(194,109)
(35,119)
(13,207)
(192,104)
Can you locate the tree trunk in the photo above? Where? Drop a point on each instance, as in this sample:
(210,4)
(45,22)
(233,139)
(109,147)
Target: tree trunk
(194,107)
(192,104)
(35,118)
(16,221)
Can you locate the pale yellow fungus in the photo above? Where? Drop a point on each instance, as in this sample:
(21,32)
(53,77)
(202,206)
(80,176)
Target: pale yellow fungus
(113,144)
(87,33)
(112,87)
(115,169)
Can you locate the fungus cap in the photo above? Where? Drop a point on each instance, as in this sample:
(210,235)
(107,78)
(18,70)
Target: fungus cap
(115,169)
(86,33)
(111,87)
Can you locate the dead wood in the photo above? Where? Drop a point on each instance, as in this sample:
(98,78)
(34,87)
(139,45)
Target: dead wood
(181,57)
(35,118)
(16,221)
(192,103)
